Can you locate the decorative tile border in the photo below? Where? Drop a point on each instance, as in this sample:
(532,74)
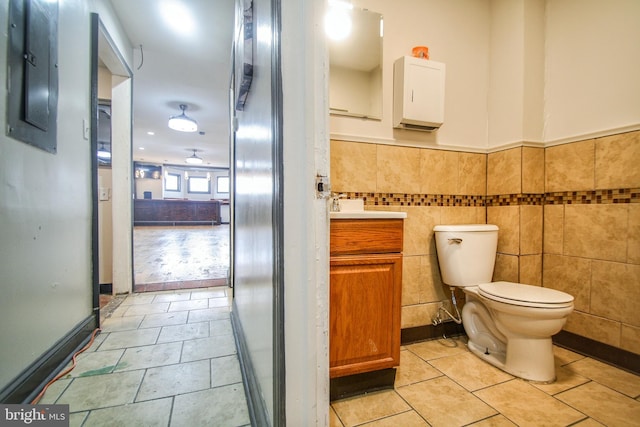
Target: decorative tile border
(623,195)
(400,199)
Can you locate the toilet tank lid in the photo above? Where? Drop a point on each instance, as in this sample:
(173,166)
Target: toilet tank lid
(466,227)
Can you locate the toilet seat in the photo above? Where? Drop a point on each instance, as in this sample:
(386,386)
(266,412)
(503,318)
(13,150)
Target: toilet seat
(525,295)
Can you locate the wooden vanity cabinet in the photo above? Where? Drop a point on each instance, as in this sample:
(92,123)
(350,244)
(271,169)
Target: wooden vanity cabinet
(365,291)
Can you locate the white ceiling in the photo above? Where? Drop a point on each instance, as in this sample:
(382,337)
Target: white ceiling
(191,69)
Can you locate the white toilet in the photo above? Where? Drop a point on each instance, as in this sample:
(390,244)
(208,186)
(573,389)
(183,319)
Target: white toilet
(508,324)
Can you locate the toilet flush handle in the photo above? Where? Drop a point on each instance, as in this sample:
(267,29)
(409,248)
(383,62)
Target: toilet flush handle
(455,240)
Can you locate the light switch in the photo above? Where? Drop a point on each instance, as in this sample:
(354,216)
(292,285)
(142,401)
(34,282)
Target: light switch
(103,193)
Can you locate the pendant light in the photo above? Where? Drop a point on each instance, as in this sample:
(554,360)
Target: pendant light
(193,159)
(182,122)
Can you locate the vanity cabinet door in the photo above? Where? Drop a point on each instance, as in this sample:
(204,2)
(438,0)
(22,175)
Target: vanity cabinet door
(365,292)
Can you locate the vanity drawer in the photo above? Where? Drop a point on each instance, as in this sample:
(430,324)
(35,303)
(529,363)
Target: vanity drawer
(365,236)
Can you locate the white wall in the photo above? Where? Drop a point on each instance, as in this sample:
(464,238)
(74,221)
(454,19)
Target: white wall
(45,211)
(457,33)
(592,67)
(518,71)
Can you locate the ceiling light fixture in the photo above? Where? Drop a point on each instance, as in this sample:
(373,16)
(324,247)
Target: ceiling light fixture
(337,21)
(193,159)
(103,153)
(182,122)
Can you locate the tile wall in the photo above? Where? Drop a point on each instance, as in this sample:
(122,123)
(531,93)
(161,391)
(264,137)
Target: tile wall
(433,187)
(592,235)
(569,217)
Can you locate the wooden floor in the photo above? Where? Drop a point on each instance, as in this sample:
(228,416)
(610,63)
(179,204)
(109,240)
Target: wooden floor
(180,257)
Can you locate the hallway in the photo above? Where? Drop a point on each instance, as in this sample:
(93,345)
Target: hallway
(163,358)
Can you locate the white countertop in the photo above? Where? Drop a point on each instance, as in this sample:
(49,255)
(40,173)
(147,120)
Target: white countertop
(367,215)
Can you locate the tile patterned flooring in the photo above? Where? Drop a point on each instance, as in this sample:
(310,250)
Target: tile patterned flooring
(439,384)
(169,359)
(162,359)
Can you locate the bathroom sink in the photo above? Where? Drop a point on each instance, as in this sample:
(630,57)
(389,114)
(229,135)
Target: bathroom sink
(366,214)
(354,209)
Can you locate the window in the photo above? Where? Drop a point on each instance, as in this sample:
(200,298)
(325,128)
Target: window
(222,184)
(199,184)
(172,182)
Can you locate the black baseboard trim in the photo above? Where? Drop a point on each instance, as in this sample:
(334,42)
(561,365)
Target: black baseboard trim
(256,405)
(366,382)
(606,353)
(106,288)
(429,332)
(28,384)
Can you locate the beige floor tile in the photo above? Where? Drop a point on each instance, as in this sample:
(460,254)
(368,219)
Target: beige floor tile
(220,327)
(470,372)
(220,407)
(219,313)
(150,356)
(334,421)
(172,380)
(370,407)
(566,378)
(413,369)
(115,324)
(135,338)
(164,319)
(151,413)
(603,404)
(429,350)
(173,296)
(495,421)
(197,304)
(218,302)
(525,405)
(406,419)
(101,391)
(134,299)
(589,422)
(225,370)
(77,419)
(54,391)
(562,356)
(140,309)
(442,402)
(95,363)
(189,331)
(209,293)
(207,348)
(612,377)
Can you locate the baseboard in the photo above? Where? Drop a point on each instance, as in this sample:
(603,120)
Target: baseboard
(429,332)
(256,405)
(28,384)
(606,353)
(366,382)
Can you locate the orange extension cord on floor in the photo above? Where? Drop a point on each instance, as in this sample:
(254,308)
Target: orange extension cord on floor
(66,371)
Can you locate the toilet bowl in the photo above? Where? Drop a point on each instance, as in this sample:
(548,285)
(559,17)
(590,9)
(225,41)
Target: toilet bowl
(508,324)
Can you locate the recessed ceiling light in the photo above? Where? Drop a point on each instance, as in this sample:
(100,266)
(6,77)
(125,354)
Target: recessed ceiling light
(178,17)
(141,148)
(151,133)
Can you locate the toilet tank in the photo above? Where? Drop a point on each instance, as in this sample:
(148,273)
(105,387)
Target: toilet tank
(466,253)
